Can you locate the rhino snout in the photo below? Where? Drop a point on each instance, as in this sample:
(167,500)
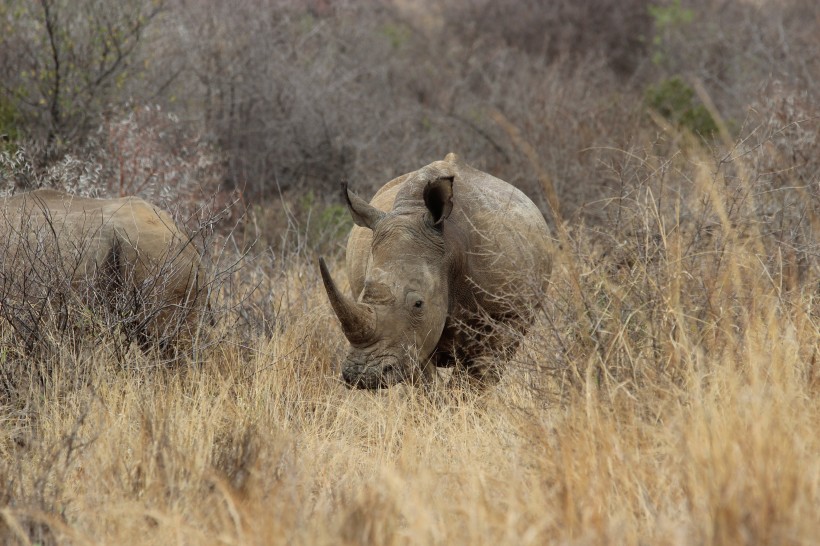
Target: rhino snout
(385,373)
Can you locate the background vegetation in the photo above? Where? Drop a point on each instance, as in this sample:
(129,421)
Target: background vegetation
(668,393)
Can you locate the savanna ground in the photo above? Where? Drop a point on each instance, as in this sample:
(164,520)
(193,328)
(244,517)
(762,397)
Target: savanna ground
(668,393)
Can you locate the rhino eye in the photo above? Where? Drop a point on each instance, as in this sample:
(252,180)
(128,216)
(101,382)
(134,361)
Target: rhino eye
(414,301)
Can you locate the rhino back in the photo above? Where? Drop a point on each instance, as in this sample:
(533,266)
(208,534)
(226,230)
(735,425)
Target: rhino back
(82,232)
(509,246)
(51,222)
(85,228)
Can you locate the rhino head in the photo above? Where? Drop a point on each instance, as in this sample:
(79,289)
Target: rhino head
(395,324)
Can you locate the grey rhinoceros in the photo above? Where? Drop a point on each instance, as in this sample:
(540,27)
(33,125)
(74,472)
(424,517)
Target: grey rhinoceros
(447,266)
(122,253)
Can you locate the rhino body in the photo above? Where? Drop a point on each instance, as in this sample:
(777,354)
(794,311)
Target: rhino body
(121,253)
(447,266)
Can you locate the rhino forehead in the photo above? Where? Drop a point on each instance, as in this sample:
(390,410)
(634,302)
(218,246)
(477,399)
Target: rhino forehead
(412,272)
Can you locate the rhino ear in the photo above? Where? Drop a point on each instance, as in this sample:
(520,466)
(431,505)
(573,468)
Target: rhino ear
(438,198)
(364,214)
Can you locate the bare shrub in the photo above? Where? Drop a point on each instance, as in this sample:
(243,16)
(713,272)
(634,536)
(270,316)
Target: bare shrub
(783,144)
(615,31)
(17,172)
(693,243)
(62,62)
(697,246)
(734,47)
(311,100)
(779,155)
(297,96)
(142,152)
(148,153)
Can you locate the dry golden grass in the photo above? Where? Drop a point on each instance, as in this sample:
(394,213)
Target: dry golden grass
(668,394)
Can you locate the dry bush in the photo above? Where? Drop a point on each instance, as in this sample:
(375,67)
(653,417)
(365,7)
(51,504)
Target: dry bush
(322,94)
(313,98)
(736,47)
(579,31)
(141,152)
(695,248)
(147,152)
(297,96)
(63,63)
(283,101)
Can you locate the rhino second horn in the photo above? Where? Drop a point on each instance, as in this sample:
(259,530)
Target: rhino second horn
(358,323)
(364,214)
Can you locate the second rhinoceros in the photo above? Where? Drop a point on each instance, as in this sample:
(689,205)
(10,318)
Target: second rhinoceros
(447,265)
(125,254)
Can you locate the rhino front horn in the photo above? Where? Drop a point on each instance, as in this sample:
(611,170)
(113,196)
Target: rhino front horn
(358,322)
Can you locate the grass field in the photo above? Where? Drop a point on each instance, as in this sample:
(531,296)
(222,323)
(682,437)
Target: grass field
(667,394)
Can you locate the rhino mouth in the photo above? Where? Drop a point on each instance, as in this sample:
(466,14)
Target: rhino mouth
(386,373)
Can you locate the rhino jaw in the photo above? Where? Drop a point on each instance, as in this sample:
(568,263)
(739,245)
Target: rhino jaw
(357,320)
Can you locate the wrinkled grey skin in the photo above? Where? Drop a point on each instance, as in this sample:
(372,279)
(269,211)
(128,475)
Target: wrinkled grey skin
(136,245)
(447,265)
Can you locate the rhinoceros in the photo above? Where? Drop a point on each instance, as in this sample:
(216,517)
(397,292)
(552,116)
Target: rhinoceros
(447,266)
(122,253)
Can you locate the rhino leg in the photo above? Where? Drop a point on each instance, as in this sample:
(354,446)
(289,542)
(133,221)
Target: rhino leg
(485,371)
(430,378)
(485,348)
(443,359)
(477,374)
